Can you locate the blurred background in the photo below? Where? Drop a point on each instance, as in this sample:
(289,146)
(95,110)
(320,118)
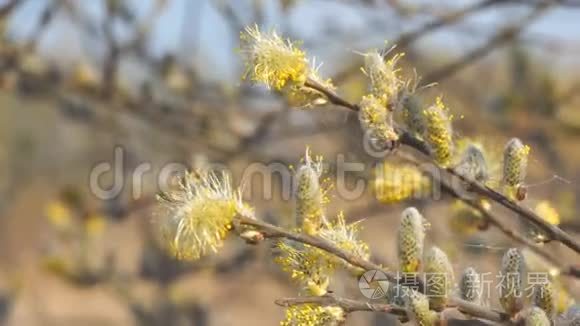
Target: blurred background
(93,91)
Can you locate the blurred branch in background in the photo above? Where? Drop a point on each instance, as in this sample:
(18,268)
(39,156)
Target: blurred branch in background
(169,91)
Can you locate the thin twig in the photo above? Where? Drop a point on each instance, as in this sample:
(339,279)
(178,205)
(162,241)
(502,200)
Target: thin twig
(500,38)
(272,231)
(407,139)
(348,305)
(494,220)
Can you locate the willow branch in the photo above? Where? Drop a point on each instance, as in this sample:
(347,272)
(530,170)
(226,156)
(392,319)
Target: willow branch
(500,38)
(554,232)
(271,231)
(348,305)
(478,311)
(495,221)
(445,20)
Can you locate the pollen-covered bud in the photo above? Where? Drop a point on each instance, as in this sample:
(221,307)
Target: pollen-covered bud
(384,77)
(309,195)
(511,284)
(395,183)
(515,165)
(376,120)
(345,237)
(199,213)
(301,96)
(313,315)
(472,164)
(535,316)
(410,238)
(311,267)
(272,60)
(438,133)
(418,312)
(470,286)
(544,297)
(438,278)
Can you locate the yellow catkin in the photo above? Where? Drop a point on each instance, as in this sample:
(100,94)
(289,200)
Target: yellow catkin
(410,238)
(198,214)
(535,316)
(376,121)
(544,297)
(345,236)
(438,133)
(301,96)
(309,195)
(385,80)
(438,278)
(465,220)
(418,312)
(310,267)
(548,213)
(470,286)
(511,284)
(515,164)
(395,183)
(313,315)
(59,215)
(272,60)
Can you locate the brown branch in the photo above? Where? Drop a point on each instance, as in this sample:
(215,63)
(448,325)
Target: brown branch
(554,232)
(331,95)
(478,311)
(268,230)
(405,39)
(407,139)
(500,38)
(271,231)
(348,305)
(7,8)
(494,220)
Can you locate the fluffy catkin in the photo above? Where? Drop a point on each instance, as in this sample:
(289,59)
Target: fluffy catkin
(412,115)
(313,315)
(376,120)
(411,235)
(395,183)
(438,278)
(470,287)
(418,312)
(473,165)
(438,133)
(511,284)
(535,316)
(543,297)
(515,164)
(271,60)
(384,77)
(309,196)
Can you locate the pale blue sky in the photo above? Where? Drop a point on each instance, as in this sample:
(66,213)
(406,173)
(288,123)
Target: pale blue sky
(200,36)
